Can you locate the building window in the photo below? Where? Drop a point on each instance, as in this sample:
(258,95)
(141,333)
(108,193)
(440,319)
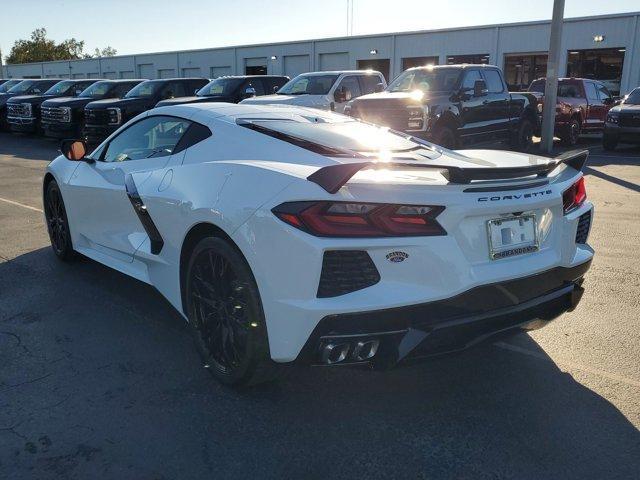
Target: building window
(603,64)
(380,64)
(410,62)
(521,70)
(478,58)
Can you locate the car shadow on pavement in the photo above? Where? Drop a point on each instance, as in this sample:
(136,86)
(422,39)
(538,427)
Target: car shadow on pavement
(99,379)
(28,147)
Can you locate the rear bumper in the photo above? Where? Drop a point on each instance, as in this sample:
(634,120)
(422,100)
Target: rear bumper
(413,332)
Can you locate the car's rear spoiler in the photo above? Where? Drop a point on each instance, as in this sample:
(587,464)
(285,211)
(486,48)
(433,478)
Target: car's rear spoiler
(333,177)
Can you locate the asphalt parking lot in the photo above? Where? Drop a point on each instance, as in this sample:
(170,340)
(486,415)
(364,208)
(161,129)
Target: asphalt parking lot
(99,377)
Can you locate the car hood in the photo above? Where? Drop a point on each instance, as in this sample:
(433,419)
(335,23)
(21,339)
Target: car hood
(195,99)
(383,99)
(68,102)
(626,108)
(304,100)
(32,99)
(120,102)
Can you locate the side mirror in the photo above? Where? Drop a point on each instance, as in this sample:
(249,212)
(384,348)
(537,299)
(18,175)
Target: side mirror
(340,95)
(74,150)
(379,87)
(195,92)
(608,101)
(249,92)
(480,88)
(276,88)
(168,94)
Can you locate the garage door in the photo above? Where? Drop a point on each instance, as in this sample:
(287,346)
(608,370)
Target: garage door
(110,75)
(93,75)
(146,70)
(166,73)
(126,74)
(191,72)
(334,61)
(295,65)
(215,72)
(255,66)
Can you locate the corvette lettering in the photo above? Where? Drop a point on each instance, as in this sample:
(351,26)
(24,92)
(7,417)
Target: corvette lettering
(518,196)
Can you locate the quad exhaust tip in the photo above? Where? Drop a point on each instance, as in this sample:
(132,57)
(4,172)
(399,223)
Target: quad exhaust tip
(339,351)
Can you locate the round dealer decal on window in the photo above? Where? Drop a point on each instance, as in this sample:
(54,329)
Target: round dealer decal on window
(397,257)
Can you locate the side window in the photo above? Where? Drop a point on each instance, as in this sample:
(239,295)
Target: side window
(368,83)
(256,83)
(604,93)
(122,89)
(568,91)
(351,87)
(494,81)
(592,93)
(470,78)
(173,90)
(152,137)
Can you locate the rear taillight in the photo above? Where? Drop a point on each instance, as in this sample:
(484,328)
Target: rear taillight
(344,219)
(574,196)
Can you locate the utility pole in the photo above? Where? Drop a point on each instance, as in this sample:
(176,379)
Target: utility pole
(551,85)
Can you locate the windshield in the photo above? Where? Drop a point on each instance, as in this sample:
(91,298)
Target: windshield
(60,88)
(350,135)
(426,80)
(6,86)
(308,85)
(633,98)
(23,86)
(97,90)
(219,86)
(145,89)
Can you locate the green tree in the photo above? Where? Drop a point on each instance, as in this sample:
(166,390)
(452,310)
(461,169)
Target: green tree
(39,48)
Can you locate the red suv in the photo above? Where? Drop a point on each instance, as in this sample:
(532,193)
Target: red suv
(582,106)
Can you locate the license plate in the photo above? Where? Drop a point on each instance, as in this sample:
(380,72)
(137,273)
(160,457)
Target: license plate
(510,236)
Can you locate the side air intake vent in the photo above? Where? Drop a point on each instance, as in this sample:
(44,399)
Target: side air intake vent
(345,271)
(584,222)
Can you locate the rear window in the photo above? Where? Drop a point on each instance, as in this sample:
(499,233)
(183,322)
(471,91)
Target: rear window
(565,89)
(350,135)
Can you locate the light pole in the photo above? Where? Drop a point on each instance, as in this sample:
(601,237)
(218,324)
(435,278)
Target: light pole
(551,85)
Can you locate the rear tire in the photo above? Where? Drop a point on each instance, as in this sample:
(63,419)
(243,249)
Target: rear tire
(57,223)
(523,140)
(225,315)
(445,137)
(571,133)
(609,142)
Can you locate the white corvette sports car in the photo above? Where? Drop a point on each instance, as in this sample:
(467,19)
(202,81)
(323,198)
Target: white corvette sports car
(291,235)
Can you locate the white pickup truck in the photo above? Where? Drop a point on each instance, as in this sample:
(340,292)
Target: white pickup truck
(325,90)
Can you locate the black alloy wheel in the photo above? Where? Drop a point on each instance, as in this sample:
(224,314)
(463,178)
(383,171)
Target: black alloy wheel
(225,313)
(572,133)
(524,141)
(57,222)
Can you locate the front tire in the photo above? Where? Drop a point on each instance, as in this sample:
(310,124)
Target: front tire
(225,315)
(523,140)
(445,137)
(57,222)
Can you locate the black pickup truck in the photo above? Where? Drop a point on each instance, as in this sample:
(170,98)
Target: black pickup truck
(23,112)
(453,106)
(26,87)
(103,117)
(232,89)
(64,117)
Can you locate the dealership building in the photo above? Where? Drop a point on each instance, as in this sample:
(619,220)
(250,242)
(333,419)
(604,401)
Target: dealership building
(605,48)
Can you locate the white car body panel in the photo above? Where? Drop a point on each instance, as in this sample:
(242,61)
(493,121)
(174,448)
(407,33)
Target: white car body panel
(234,178)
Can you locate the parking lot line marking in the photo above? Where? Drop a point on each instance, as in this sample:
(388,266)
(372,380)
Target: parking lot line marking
(568,364)
(20,205)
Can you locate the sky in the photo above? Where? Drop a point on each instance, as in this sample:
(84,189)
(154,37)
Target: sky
(138,26)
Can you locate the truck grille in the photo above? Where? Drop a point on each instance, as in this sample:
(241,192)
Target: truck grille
(51,114)
(345,271)
(96,117)
(583,227)
(629,120)
(16,110)
(394,118)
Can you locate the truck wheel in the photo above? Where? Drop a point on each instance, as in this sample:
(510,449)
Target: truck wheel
(445,137)
(609,142)
(571,133)
(524,136)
